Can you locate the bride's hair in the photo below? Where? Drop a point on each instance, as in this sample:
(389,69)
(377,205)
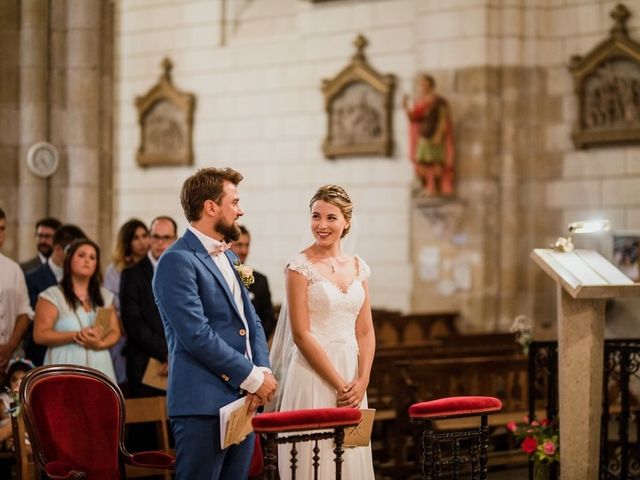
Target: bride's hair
(335,195)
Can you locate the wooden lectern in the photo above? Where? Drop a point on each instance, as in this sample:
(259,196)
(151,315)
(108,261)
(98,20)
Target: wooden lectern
(585,281)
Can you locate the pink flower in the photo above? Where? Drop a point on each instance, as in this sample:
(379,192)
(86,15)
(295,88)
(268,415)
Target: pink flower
(535,423)
(529,445)
(548,447)
(526,418)
(511,426)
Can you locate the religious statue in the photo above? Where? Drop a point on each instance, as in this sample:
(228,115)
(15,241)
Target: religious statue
(431,147)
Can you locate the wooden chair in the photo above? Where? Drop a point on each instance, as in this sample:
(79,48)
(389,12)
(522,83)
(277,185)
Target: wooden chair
(75,419)
(311,425)
(149,410)
(25,467)
(475,439)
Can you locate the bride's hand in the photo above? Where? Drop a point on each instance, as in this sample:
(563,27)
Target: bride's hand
(352,394)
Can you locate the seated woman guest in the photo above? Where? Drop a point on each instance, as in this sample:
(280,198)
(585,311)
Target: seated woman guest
(65,313)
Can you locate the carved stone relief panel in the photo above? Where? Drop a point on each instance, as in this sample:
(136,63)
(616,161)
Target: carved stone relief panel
(358,105)
(165,115)
(607,83)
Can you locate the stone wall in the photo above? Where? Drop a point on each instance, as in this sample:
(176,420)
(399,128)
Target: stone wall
(503,66)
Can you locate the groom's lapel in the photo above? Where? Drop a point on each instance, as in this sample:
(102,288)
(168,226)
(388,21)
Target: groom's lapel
(208,262)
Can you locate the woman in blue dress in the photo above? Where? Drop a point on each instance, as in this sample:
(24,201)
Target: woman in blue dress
(65,314)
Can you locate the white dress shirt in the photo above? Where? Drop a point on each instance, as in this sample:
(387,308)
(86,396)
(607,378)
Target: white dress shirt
(256,376)
(14,298)
(58,272)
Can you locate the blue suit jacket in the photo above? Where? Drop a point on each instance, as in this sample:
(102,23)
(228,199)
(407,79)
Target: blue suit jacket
(205,333)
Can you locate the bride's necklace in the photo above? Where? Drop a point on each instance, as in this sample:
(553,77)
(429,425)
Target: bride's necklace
(333,262)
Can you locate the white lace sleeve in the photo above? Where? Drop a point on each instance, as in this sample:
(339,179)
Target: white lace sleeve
(364,272)
(301,264)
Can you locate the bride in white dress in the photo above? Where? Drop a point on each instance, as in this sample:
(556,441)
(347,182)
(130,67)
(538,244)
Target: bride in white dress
(325,342)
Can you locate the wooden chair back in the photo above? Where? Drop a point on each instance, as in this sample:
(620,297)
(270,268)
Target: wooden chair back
(149,410)
(25,468)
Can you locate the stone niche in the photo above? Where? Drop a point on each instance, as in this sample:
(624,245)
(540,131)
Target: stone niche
(165,116)
(358,105)
(607,84)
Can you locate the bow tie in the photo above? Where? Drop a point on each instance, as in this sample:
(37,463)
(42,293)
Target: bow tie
(220,248)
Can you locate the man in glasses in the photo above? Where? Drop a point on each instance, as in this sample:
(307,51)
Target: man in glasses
(45,229)
(140,316)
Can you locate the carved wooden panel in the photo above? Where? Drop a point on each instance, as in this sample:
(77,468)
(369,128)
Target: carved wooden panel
(165,116)
(607,83)
(358,102)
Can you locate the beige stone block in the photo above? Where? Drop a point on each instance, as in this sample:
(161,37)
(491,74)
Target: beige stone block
(389,40)
(83,14)
(550,52)
(559,81)
(558,137)
(9,40)
(58,50)
(9,126)
(571,193)
(620,191)
(83,89)
(9,161)
(590,19)
(633,219)
(58,15)
(362,16)
(398,12)
(83,49)
(632,158)
(441,25)
(85,166)
(9,90)
(82,127)
(9,15)
(594,163)
(33,14)
(33,48)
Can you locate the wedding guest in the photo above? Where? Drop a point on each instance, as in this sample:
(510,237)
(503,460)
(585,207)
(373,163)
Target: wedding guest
(140,315)
(15,312)
(132,244)
(45,229)
(45,276)
(65,314)
(259,292)
(324,343)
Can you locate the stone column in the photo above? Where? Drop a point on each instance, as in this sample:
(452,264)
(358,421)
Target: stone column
(83,114)
(34,66)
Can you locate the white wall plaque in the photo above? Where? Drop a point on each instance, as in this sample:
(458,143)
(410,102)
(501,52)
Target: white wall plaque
(43,159)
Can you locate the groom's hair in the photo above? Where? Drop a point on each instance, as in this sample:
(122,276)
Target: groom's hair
(205,184)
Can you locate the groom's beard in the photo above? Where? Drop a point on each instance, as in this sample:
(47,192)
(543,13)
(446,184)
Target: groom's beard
(230,231)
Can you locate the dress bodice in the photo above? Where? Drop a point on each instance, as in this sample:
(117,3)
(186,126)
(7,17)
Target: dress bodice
(332,311)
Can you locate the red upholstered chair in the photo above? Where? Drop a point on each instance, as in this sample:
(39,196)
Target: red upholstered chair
(474,440)
(321,419)
(75,418)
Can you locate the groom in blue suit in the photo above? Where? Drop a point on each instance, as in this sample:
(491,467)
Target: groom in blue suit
(217,347)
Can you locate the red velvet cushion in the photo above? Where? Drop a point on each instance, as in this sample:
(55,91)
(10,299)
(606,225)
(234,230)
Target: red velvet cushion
(455,407)
(311,419)
(152,460)
(62,471)
(77,419)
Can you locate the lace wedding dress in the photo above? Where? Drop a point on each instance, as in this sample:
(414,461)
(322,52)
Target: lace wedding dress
(332,315)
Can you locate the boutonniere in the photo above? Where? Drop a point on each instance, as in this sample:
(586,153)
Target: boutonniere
(245,272)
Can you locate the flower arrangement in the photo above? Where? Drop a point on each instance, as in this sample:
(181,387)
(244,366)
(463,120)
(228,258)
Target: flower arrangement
(539,440)
(245,272)
(523,330)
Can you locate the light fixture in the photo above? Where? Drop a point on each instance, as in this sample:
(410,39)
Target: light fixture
(564,244)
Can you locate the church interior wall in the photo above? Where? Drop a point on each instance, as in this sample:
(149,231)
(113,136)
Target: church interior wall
(501,64)
(256,71)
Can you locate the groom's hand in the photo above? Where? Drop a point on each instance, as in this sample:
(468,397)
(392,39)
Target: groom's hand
(268,388)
